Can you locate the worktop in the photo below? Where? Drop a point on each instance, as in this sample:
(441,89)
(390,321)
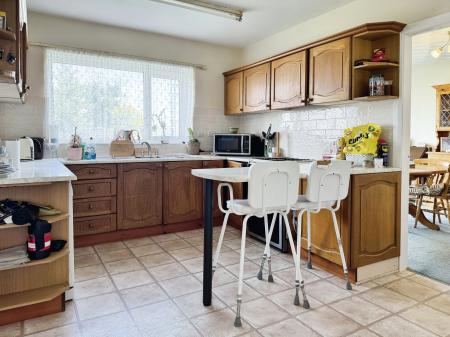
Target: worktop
(39,171)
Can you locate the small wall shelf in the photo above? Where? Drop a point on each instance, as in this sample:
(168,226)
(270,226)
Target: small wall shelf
(51,219)
(368,65)
(374,98)
(53,257)
(7,35)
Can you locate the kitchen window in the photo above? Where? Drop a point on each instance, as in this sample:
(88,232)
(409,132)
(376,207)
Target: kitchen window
(102,94)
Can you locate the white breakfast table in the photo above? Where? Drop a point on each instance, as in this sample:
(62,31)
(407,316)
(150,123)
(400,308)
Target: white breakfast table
(230,175)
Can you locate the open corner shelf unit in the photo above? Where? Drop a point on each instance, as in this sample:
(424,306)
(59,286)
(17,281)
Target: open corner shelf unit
(38,281)
(362,48)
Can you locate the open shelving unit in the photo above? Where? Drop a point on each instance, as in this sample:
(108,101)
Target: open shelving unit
(362,49)
(38,286)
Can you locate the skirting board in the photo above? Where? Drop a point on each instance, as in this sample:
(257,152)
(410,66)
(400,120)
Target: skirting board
(378,269)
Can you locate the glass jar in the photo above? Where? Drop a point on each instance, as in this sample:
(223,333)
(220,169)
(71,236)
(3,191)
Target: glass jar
(376,85)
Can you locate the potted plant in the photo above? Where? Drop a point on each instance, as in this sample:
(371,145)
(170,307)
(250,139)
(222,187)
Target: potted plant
(193,146)
(75,151)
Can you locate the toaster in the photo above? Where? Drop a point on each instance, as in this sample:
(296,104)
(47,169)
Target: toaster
(26,149)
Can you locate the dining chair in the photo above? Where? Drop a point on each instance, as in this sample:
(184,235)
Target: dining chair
(327,185)
(272,189)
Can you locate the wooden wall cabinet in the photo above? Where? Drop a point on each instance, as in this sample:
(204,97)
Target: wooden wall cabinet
(139,195)
(329,72)
(234,93)
(257,88)
(442,116)
(288,84)
(183,193)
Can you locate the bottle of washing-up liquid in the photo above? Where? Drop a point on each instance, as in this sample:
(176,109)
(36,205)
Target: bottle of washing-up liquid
(90,149)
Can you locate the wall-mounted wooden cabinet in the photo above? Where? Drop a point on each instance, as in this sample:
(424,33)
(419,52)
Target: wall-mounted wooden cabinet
(334,69)
(329,72)
(288,85)
(257,88)
(13,47)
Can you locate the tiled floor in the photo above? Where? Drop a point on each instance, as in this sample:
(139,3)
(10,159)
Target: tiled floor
(153,287)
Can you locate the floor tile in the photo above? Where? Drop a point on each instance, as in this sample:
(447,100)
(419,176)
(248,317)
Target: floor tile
(351,307)
(356,288)
(110,246)
(168,271)
(174,329)
(228,292)
(195,240)
(119,324)
(222,250)
(193,265)
(267,288)
(146,250)
(132,279)
(253,252)
(143,295)
(181,285)
(386,279)
(221,277)
(138,242)
(89,272)
(285,299)
(192,304)
(363,333)
(101,285)
(251,269)
(116,255)
(51,321)
(186,253)
(11,330)
(327,322)
(428,318)
(279,264)
(220,324)
(433,284)
(97,306)
(288,328)
(84,251)
(261,312)
(71,330)
(157,315)
(288,275)
(395,326)
(318,272)
(165,237)
(156,259)
(123,266)
(190,233)
(87,260)
(388,299)
(412,289)
(441,302)
(227,258)
(235,243)
(174,245)
(326,292)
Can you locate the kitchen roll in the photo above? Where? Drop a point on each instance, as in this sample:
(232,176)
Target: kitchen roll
(13,149)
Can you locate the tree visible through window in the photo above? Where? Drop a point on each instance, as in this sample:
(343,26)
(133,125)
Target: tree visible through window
(101,95)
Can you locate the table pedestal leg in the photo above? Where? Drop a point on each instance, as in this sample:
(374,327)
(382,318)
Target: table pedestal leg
(207,242)
(422,218)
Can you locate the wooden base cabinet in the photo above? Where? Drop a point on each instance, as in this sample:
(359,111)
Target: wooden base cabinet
(139,196)
(369,222)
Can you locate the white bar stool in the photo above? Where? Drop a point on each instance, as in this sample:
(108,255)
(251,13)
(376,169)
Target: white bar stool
(272,188)
(328,185)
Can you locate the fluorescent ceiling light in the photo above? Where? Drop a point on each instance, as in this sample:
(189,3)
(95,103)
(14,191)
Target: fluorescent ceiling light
(438,51)
(206,7)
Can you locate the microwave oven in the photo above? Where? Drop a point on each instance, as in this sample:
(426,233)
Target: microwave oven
(243,144)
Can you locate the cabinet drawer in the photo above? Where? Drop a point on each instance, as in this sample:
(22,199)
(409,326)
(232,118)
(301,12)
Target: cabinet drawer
(84,171)
(91,207)
(94,188)
(94,225)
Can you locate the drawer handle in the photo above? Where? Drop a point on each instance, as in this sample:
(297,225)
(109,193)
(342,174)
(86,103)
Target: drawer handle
(91,171)
(91,188)
(91,206)
(91,225)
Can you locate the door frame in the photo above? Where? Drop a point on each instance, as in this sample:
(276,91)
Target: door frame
(404,117)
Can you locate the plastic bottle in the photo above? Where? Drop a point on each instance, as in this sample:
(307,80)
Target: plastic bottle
(90,149)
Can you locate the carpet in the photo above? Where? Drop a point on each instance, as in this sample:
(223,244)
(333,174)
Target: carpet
(429,250)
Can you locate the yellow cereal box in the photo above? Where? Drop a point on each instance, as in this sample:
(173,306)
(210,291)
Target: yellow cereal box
(362,139)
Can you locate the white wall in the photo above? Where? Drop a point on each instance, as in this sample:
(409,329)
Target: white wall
(19,120)
(423,99)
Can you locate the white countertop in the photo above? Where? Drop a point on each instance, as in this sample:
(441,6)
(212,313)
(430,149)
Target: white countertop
(39,171)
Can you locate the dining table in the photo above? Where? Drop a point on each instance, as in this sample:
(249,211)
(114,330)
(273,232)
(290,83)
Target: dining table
(421,173)
(230,175)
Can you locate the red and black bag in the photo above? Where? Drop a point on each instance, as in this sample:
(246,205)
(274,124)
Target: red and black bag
(39,240)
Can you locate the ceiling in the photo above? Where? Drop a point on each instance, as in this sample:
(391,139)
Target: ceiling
(261,17)
(423,44)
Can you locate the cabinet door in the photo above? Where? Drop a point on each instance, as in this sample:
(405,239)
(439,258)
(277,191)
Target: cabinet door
(183,193)
(323,237)
(329,72)
(288,82)
(375,218)
(233,94)
(139,197)
(257,88)
(215,164)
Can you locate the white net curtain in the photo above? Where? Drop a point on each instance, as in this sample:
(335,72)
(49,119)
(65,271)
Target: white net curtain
(101,95)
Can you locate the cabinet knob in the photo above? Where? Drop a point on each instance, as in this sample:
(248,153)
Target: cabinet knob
(91,171)
(91,225)
(91,206)
(241,109)
(268,106)
(91,188)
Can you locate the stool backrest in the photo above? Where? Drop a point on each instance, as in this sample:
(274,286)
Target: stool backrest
(328,181)
(273,184)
